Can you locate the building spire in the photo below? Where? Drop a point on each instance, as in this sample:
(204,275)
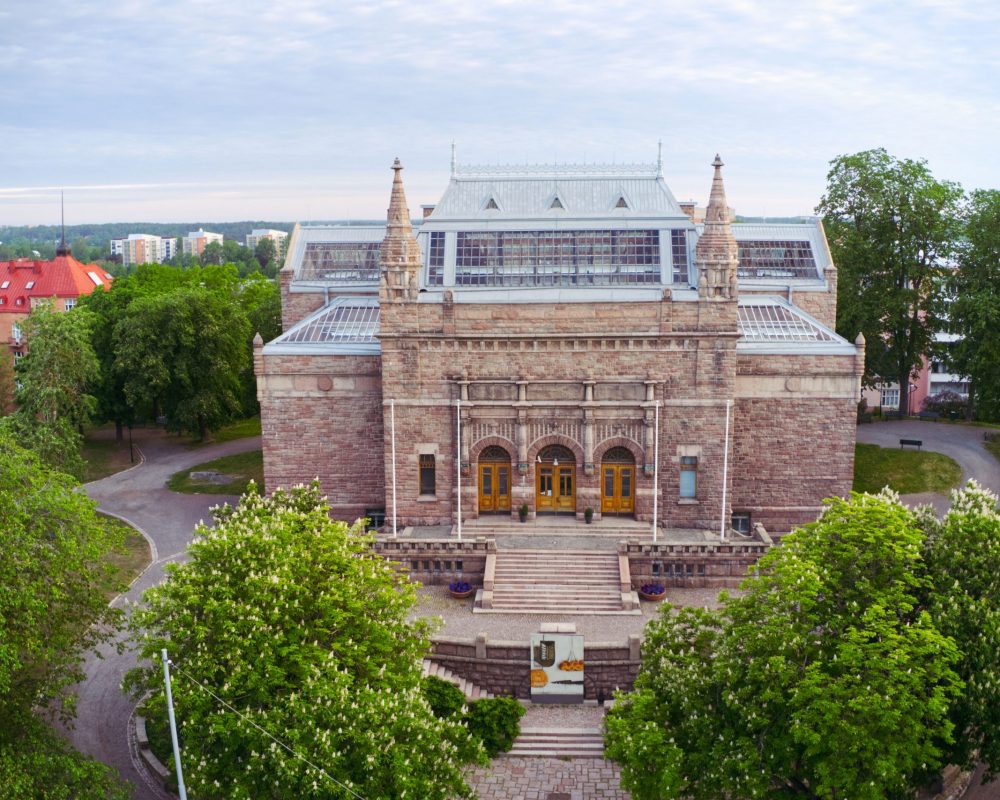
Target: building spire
(399,253)
(717,255)
(63,249)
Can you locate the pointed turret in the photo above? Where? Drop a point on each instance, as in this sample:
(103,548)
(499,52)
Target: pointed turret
(63,249)
(400,253)
(716,255)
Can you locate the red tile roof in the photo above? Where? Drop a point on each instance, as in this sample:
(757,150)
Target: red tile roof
(63,276)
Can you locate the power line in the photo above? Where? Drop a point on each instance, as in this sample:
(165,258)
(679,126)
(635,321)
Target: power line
(268,735)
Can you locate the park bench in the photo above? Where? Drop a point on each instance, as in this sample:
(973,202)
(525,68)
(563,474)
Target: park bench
(892,415)
(918,443)
(928,415)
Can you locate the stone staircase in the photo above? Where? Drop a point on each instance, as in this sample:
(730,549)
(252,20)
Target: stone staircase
(470,690)
(557,582)
(558,743)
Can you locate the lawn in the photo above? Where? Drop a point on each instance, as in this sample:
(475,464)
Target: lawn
(905,471)
(131,560)
(104,457)
(994,448)
(241,429)
(236,471)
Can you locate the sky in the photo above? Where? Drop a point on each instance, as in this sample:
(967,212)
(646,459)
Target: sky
(228,110)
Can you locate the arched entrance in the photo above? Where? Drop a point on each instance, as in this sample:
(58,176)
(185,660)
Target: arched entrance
(555,481)
(618,482)
(494,480)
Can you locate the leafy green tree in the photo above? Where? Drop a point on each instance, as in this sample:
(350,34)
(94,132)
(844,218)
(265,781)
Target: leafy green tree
(892,228)
(182,352)
(293,620)
(53,575)
(974,313)
(962,554)
(826,679)
(59,366)
(212,254)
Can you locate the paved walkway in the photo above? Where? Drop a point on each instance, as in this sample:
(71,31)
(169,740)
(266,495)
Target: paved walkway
(548,779)
(964,443)
(139,495)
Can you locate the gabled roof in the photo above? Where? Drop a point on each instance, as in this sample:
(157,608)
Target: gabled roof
(63,277)
(587,191)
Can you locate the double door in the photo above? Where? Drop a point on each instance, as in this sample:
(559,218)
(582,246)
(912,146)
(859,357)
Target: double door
(556,488)
(494,487)
(618,489)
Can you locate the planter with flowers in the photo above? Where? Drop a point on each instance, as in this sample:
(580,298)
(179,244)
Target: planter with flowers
(460,589)
(652,591)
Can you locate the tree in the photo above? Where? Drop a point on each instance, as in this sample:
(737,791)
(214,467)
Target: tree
(892,228)
(260,299)
(59,366)
(266,254)
(182,352)
(974,313)
(826,679)
(292,619)
(53,576)
(963,551)
(212,254)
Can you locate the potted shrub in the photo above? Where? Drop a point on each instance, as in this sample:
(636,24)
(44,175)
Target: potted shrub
(652,591)
(588,515)
(460,589)
(522,512)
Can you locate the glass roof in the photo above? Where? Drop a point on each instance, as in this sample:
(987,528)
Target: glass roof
(769,320)
(776,258)
(347,320)
(352,262)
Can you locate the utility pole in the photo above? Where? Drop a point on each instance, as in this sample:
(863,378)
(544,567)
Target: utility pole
(173,726)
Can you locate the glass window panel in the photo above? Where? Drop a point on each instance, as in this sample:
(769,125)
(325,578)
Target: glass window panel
(566,484)
(626,483)
(776,259)
(341,262)
(427,475)
(435,259)
(503,487)
(487,480)
(609,483)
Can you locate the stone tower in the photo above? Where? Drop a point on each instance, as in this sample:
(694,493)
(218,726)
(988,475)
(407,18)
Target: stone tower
(716,255)
(399,258)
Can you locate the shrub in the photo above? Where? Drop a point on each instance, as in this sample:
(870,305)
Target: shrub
(946,402)
(445,698)
(496,722)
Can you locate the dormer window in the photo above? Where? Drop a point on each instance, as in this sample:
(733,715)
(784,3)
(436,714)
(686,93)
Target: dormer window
(622,202)
(556,203)
(29,285)
(491,205)
(4,285)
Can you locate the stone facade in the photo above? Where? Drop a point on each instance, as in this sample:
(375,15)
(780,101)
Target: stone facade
(456,371)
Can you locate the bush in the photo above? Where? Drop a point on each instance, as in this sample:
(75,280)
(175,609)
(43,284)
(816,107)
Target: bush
(946,402)
(496,722)
(445,698)
(992,436)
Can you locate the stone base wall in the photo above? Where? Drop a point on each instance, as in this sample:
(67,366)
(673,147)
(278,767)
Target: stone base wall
(504,667)
(692,565)
(436,562)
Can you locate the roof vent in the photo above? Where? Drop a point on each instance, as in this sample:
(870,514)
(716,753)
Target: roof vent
(556,203)
(622,202)
(491,205)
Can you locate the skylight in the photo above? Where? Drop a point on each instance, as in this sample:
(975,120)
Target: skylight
(95,278)
(29,285)
(4,285)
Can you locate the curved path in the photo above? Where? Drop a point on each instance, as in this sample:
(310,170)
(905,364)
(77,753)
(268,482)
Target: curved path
(139,495)
(964,443)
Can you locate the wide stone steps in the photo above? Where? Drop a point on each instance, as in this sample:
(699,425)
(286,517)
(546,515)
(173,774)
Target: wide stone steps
(556,582)
(559,743)
(470,690)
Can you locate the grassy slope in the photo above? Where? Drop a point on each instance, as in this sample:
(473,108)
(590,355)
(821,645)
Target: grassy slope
(905,471)
(241,429)
(104,457)
(243,467)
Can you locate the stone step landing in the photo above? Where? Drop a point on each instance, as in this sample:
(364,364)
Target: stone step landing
(557,582)
(559,743)
(470,690)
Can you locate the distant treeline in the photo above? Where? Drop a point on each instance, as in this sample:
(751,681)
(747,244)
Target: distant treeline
(102,234)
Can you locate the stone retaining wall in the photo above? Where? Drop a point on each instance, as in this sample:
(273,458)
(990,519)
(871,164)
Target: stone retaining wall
(439,561)
(692,565)
(503,667)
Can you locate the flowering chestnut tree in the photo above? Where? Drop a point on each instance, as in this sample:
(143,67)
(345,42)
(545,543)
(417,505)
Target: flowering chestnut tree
(292,620)
(826,679)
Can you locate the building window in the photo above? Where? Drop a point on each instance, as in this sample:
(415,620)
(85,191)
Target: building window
(435,261)
(689,476)
(18,355)
(69,303)
(679,256)
(15,332)
(890,398)
(427,476)
(741,522)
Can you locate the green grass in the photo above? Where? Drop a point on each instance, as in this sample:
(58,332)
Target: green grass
(241,467)
(994,448)
(905,471)
(104,457)
(131,560)
(241,429)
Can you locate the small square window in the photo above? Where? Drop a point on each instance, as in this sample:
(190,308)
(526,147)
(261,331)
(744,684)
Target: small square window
(428,477)
(656,569)
(741,522)
(427,566)
(689,569)
(689,476)
(701,570)
(458,566)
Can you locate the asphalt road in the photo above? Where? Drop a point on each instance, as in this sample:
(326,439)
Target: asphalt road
(139,496)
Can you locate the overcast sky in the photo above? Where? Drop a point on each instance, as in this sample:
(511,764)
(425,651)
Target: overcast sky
(291,110)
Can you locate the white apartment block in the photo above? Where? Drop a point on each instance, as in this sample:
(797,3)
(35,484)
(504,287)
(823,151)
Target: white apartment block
(278,237)
(194,243)
(143,248)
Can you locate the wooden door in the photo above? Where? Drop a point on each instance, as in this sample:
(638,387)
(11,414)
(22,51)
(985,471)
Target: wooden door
(617,489)
(556,488)
(494,487)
